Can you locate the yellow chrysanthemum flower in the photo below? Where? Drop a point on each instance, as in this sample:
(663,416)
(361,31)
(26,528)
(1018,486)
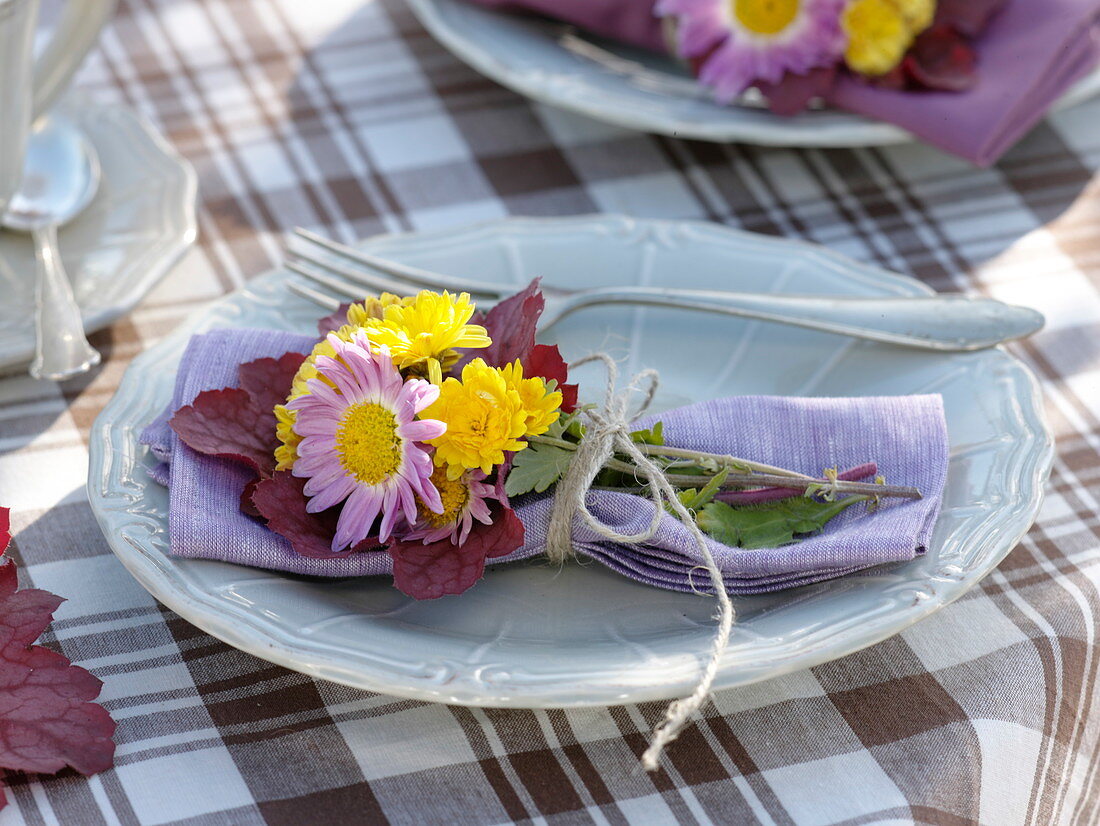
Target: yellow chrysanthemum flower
(485,418)
(357,316)
(880,32)
(542,407)
(374,308)
(423,334)
(286,454)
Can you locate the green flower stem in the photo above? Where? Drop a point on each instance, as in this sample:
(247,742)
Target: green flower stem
(767,480)
(732,462)
(772,477)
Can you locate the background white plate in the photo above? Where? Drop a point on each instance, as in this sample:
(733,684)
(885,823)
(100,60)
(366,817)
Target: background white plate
(531,636)
(137,226)
(635,89)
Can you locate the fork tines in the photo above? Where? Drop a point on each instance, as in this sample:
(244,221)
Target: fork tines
(352,273)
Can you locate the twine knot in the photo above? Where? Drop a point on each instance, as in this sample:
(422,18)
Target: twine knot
(607,432)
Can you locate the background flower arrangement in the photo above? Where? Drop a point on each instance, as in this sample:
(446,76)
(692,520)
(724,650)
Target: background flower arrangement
(794,51)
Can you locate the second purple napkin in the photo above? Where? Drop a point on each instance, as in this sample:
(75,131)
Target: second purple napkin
(906,435)
(1030,55)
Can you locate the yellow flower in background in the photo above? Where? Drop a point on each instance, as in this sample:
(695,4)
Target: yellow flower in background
(880,32)
(422,335)
(917,13)
(542,408)
(485,418)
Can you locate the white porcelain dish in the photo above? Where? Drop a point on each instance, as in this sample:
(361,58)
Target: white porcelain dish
(140,222)
(628,87)
(530,636)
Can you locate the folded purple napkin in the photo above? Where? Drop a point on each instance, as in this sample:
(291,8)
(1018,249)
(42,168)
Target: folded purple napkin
(1029,56)
(1032,52)
(906,435)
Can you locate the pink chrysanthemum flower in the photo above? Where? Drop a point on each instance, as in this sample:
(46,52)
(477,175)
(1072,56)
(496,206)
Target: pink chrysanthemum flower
(743,42)
(360,441)
(464,500)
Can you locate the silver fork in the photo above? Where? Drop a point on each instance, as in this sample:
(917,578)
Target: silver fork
(947,323)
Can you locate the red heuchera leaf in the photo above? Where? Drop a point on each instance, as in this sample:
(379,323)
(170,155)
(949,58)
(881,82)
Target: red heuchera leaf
(247,506)
(47,721)
(511,325)
(794,92)
(941,59)
(228,423)
(281,500)
(440,568)
(5,529)
(268,380)
(332,323)
(969,17)
(545,360)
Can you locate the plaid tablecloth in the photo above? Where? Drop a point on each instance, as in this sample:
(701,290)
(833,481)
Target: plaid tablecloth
(344,115)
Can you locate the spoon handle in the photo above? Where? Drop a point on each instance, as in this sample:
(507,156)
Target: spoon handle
(62,351)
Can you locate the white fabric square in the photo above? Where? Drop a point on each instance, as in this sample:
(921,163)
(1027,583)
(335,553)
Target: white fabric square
(823,791)
(417,143)
(424,737)
(662,195)
(1003,797)
(966,630)
(89,585)
(183,785)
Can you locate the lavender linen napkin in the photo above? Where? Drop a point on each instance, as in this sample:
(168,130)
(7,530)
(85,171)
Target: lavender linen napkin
(906,435)
(1032,52)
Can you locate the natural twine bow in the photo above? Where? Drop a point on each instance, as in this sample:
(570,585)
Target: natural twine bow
(607,432)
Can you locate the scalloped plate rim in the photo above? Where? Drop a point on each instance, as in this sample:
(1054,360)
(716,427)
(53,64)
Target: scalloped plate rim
(157,574)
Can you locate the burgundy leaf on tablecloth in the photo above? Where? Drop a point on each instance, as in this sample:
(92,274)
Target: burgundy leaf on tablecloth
(440,568)
(47,721)
(228,423)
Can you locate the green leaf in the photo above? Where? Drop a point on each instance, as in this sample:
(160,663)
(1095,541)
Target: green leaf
(770,525)
(537,467)
(694,499)
(650,436)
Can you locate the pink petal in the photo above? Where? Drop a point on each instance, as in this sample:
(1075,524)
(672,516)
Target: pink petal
(422,429)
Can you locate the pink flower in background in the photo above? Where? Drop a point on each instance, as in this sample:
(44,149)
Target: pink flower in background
(741,42)
(360,441)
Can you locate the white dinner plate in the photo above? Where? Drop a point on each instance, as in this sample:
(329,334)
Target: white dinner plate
(531,636)
(140,222)
(628,87)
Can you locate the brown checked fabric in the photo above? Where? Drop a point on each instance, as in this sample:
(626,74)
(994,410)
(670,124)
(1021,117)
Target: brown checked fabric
(346,117)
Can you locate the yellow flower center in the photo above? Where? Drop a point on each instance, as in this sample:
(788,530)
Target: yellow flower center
(367,443)
(453,493)
(765,16)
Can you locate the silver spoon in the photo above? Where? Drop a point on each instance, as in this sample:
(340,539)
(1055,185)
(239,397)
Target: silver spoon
(60,177)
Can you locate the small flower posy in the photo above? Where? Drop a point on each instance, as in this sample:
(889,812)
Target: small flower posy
(414,421)
(795,50)
(384,421)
